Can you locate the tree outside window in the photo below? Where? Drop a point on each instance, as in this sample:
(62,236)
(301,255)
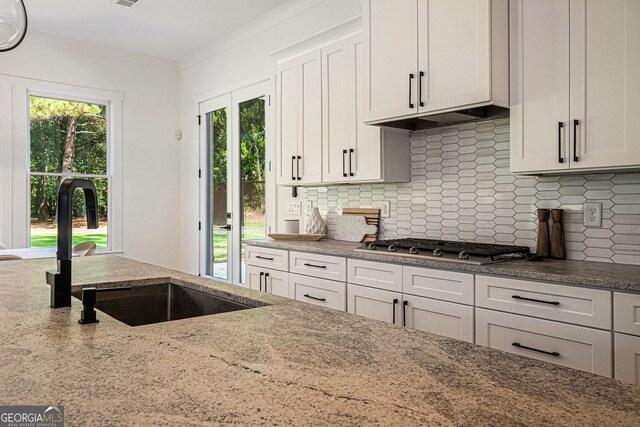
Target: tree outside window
(67,139)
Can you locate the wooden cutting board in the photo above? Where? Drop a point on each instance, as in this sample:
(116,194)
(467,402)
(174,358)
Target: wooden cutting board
(372,216)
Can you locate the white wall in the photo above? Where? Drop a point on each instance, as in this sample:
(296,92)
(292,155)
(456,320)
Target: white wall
(237,60)
(150,165)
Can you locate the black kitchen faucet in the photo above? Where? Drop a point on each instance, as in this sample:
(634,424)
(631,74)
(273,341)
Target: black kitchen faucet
(60,280)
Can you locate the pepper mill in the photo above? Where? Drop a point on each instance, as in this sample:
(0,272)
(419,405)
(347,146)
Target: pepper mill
(542,246)
(557,235)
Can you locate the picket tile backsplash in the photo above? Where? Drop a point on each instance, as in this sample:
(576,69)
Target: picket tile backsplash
(461,189)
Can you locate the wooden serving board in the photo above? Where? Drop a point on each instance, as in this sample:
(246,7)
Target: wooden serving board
(372,216)
(297,237)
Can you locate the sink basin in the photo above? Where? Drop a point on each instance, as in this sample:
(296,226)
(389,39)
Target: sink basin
(143,305)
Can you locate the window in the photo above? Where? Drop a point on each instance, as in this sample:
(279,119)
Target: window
(67,139)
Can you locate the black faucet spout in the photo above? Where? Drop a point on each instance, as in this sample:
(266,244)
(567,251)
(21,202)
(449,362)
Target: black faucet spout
(60,280)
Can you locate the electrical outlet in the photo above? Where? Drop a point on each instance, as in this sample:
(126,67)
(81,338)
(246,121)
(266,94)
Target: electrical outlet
(385,208)
(294,208)
(592,214)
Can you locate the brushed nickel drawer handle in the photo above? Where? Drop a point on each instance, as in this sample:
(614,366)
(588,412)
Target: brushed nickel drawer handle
(535,300)
(550,353)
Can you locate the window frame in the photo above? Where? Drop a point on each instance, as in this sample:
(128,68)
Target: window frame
(108,166)
(15,147)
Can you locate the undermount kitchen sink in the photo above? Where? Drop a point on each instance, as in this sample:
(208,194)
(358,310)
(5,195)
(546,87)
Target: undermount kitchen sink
(143,305)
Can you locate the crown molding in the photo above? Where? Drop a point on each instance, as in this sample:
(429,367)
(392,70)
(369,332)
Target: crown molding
(50,40)
(250,30)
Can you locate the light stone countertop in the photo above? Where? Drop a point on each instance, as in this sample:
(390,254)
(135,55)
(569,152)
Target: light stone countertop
(288,363)
(617,277)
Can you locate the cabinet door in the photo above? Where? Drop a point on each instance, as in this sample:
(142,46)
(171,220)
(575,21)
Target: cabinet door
(309,161)
(254,278)
(391,57)
(627,350)
(286,121)
(605,83)
(374,303)
(539,85)
(454,53)
(365,160)
(438,317)
(276,282)
(339,121)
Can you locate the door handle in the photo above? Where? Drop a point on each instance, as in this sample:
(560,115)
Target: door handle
(344,173)
(298,168)
(411,77)
(575,140)
(560,127)
(226,227)
(404,312)
(393,315)
(420,88)
(293,160)
(261,274)
(266,276)
(350,165)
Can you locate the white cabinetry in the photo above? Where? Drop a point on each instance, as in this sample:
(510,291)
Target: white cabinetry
(374,303)
(567,345)
(428,56)
(299,120)
(574,65)
(267,280)
(627,349)
(325,293)
(438,317)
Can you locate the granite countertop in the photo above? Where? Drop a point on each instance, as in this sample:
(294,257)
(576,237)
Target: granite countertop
(620,277)
(285,363)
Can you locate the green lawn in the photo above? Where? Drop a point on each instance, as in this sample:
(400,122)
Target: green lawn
(50,240)
(254,228)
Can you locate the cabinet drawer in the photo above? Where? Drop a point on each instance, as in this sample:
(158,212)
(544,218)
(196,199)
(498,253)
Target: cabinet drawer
(374,303)
(627,349)
(276,259)
(438,284)
(439,317)
(585,307)
(325,293)
(567,345)
(323,266)
(626,313)
(375,274)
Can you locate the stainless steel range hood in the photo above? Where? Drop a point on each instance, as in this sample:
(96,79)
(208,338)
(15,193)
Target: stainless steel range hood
(488,112)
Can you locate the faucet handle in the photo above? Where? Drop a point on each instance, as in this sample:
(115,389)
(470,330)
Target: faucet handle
(89,296)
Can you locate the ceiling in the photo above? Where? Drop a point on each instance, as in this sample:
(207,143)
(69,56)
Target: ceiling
(169,29)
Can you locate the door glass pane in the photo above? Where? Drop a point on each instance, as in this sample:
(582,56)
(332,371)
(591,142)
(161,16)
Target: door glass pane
(218,244)
(252,172)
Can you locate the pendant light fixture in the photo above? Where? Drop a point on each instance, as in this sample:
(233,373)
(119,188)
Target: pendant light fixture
(13,24)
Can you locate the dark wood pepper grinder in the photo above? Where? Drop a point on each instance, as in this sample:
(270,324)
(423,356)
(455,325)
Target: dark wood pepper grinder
(557,235)
(542,246)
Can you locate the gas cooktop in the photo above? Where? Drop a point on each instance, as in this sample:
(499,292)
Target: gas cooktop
(447,250)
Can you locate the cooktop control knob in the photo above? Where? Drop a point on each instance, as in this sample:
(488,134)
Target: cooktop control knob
(392,248)
(372,247)
(464,255)
(414,251)
(438,252)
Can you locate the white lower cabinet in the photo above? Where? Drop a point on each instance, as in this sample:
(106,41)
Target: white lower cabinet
(322,292)
(567,345)
(438,317)
(627,349)
(267,280)
(375,274)
(374,303)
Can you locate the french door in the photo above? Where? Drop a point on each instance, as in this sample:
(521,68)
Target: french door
(234,179)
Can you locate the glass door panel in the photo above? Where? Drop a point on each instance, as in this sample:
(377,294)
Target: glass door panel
(219,194)
(251,116)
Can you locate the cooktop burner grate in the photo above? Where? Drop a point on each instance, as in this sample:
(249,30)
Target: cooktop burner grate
(427,246)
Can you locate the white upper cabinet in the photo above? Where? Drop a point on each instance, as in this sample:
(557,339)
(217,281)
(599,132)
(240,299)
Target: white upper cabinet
(353,151)
(575,85)
(299,120)
(431,56)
